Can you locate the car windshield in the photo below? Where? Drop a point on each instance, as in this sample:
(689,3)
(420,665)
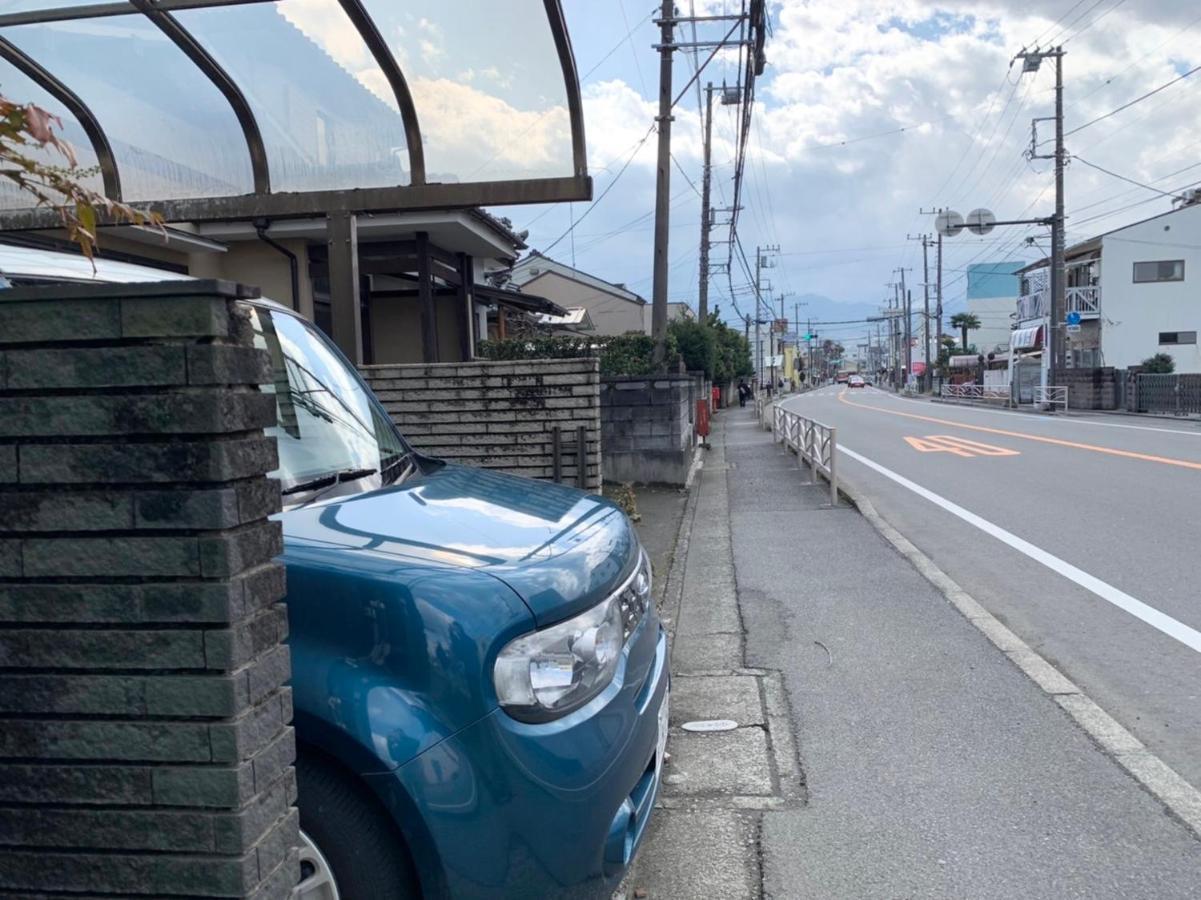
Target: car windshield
(329,431)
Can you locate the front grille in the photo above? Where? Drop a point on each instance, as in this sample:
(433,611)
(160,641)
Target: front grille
(636,597)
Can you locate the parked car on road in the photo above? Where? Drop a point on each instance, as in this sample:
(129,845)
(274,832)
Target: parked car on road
(479,673)
(855,381)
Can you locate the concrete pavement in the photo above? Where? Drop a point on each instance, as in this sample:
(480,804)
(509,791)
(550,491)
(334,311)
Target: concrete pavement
(1116,500)
(911,758)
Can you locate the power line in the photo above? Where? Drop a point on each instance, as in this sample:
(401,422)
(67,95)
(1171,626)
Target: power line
(1124,178)
(1125,106)
(605,192)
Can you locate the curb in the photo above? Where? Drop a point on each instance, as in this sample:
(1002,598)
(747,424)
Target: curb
(1181,799)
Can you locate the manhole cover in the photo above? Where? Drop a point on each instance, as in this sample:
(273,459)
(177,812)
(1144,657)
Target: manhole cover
(710,725)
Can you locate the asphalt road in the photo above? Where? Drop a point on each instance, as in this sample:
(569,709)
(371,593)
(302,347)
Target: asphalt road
(1081,533)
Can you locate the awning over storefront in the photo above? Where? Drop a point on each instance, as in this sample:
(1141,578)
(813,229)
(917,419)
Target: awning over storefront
(209,110)
(1027,338)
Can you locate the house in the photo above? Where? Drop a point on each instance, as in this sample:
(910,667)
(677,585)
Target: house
(1136,289)
(613,308)
(992,289)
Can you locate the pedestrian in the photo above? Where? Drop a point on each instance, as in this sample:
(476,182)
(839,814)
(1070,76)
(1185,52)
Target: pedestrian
(742,392)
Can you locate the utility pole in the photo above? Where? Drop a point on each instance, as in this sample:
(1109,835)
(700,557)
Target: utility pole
(702,303)
(926,310)
(758,340)
(1054,345)
(762,263)
(906,330)
(663,184)
(1058,249)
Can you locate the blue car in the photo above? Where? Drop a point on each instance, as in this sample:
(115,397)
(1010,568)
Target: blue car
(480,676)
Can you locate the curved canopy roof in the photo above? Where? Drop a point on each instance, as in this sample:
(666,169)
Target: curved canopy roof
(233,109)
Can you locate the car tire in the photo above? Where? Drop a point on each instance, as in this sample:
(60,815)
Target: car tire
(352,834)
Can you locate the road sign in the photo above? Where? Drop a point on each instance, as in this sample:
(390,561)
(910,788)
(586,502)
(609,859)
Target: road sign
(1073,318)
(1072,329)
(949,223)
(981,221)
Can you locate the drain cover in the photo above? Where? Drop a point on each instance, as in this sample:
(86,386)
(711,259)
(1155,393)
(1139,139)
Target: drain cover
(710,725)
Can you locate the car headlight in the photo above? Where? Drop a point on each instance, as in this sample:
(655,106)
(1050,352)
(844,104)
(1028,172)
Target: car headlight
(548,673)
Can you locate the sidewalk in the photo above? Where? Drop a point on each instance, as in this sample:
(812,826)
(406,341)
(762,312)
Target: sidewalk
(884,747)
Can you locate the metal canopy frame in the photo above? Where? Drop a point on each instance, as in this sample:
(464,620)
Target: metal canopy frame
(263,203)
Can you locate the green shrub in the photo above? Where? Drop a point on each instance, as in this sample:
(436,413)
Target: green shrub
(626,354)
(697,345)
(1159,364)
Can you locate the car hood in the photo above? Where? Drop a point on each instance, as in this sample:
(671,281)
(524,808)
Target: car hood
(560,549)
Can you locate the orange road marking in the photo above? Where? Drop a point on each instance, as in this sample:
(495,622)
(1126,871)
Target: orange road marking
(946,443)
(1075,445)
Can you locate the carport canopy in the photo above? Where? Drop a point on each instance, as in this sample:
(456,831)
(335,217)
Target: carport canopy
(209,110)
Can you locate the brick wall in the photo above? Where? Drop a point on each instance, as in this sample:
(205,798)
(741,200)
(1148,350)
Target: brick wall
(647,427)
(144,748)
(498,415)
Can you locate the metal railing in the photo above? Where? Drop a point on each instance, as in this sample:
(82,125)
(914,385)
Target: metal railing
(972,392)
(1051,396)
(813,442)
(1084,300)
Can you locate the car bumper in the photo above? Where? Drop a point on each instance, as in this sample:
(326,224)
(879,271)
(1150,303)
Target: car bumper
(510,809)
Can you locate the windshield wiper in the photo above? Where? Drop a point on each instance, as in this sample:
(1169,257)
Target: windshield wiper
(329,480)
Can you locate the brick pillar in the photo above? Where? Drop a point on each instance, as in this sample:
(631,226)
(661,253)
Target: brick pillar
(144,740)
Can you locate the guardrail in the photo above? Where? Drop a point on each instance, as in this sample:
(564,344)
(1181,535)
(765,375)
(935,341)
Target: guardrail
(814,443)
(1051,396)
(974,392)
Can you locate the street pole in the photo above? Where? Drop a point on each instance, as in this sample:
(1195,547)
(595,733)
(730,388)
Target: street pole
(938,313)
(703,275)
(907,350)
(1058,271)
(663,185)
(929,372)
(758,340)
(809,348)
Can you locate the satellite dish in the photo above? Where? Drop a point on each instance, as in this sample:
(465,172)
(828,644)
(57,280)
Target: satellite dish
(981,221)
(949,223)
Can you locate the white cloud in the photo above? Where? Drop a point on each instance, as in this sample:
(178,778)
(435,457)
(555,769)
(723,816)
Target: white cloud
(857,71)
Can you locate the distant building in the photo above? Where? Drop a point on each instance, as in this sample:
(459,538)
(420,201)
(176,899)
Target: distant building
(678,309)
(992,289)
(612,308)
(1136,289)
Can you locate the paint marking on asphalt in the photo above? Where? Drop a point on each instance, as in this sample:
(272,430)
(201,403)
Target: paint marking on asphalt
(1162,622)
(1042,439)
(947,443)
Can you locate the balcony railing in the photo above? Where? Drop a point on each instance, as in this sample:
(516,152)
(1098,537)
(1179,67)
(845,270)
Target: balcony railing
(1084,300)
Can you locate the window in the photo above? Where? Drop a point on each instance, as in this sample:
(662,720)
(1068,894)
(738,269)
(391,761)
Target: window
(1160,270)
(1178,337)
(332,438)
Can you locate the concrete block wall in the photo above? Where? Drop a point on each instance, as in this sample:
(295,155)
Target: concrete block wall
(647,428)
(498,415)
(1091,388)
(145,749)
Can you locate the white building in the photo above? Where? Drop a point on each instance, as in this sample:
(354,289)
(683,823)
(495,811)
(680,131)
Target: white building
(1137,290)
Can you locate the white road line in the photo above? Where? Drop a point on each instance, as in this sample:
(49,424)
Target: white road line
(1162,622)
(1027,416)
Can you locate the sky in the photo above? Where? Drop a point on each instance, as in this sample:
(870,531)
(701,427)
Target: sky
(864,118)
